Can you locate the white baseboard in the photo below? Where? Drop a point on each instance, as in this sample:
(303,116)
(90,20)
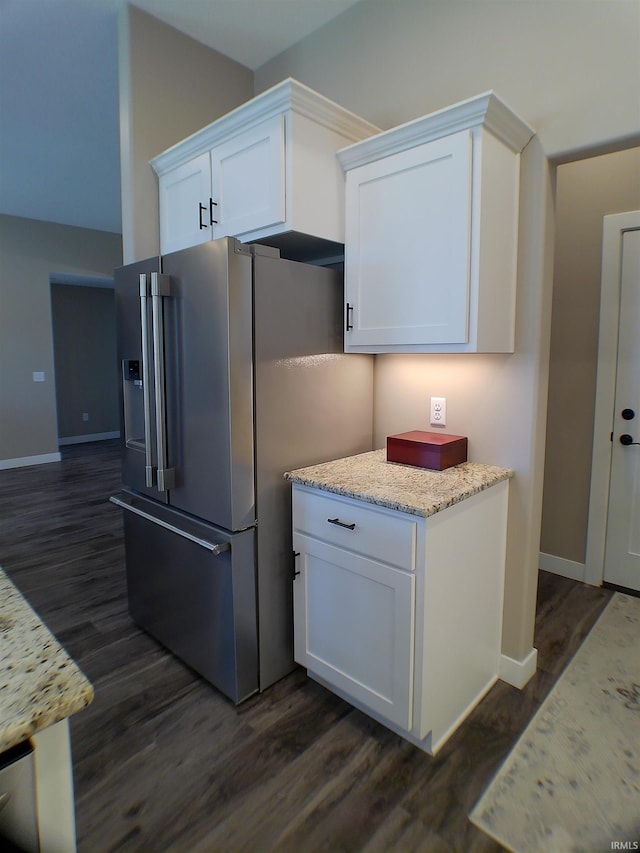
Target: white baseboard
(94,436)
(560,566)
(518,672)
(24,461)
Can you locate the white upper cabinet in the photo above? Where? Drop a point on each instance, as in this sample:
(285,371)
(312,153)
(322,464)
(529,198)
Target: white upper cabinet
(267,171)
(248,173)
(432,232)
(184,219)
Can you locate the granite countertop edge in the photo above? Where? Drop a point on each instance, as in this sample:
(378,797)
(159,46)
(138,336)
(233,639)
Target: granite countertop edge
(417,491)
(40,684)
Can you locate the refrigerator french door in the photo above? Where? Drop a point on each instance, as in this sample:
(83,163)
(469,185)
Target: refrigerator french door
(189,329)
(232,372)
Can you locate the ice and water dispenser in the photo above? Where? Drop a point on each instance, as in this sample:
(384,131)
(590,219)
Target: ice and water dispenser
(133,399)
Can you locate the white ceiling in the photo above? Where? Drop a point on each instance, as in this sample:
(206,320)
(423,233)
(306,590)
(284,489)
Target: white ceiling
(59,135)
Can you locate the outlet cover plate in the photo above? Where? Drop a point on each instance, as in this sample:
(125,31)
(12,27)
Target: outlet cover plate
(438,412)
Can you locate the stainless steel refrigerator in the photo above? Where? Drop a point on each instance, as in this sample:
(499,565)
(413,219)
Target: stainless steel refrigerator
(232,373)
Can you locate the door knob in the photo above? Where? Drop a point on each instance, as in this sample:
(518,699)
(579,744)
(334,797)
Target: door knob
(628,414)
(627,439)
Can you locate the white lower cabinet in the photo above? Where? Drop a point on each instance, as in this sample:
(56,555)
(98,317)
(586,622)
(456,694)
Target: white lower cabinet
(354,626)
(399,614)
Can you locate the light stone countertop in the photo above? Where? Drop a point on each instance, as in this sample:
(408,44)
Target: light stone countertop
(418,491)
(39,683)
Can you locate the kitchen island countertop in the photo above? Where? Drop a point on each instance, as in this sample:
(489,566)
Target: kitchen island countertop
(418,491)
(39,683)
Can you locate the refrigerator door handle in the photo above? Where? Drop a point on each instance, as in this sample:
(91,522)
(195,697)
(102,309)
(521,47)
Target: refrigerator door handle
(160,288)
(146,382)
(216,548)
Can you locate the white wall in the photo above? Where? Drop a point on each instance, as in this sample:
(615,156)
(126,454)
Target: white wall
(570,69)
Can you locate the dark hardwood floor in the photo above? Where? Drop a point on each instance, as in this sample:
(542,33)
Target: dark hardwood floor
(162,762)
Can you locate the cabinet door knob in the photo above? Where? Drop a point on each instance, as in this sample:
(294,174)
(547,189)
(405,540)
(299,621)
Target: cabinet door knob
(212,204)
(201,223)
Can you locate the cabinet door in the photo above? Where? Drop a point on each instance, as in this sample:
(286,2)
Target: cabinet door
(354,627)
(408,237)
(184,205)
(248,175)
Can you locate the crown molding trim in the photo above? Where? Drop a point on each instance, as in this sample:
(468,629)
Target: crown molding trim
(484,111)
(286,97)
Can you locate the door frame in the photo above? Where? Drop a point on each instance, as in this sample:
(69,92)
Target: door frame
(614,226)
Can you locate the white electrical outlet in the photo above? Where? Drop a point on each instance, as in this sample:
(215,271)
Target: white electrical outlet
(438,416)
(85,416)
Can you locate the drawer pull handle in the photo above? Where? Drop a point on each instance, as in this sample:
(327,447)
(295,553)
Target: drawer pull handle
(341,523)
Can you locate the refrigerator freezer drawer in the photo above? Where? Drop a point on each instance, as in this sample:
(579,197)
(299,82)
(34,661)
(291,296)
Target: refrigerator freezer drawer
(192,586)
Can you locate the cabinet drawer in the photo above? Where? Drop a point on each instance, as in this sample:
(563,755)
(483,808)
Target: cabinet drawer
(384,535)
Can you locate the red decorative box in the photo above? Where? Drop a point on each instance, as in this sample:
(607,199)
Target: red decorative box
(427,449)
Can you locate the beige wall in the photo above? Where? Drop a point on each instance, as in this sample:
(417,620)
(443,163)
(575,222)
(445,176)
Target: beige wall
(170,86)
(569,67)
(587,190)
(30,251)
(86,365)
(570,70)
(498,401)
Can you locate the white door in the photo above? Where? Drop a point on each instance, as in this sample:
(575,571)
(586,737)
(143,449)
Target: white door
(353,626)
(408,227)
(622,550)
(184,205)
(248,179)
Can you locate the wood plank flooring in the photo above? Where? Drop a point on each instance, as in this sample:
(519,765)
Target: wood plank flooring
(162,762)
